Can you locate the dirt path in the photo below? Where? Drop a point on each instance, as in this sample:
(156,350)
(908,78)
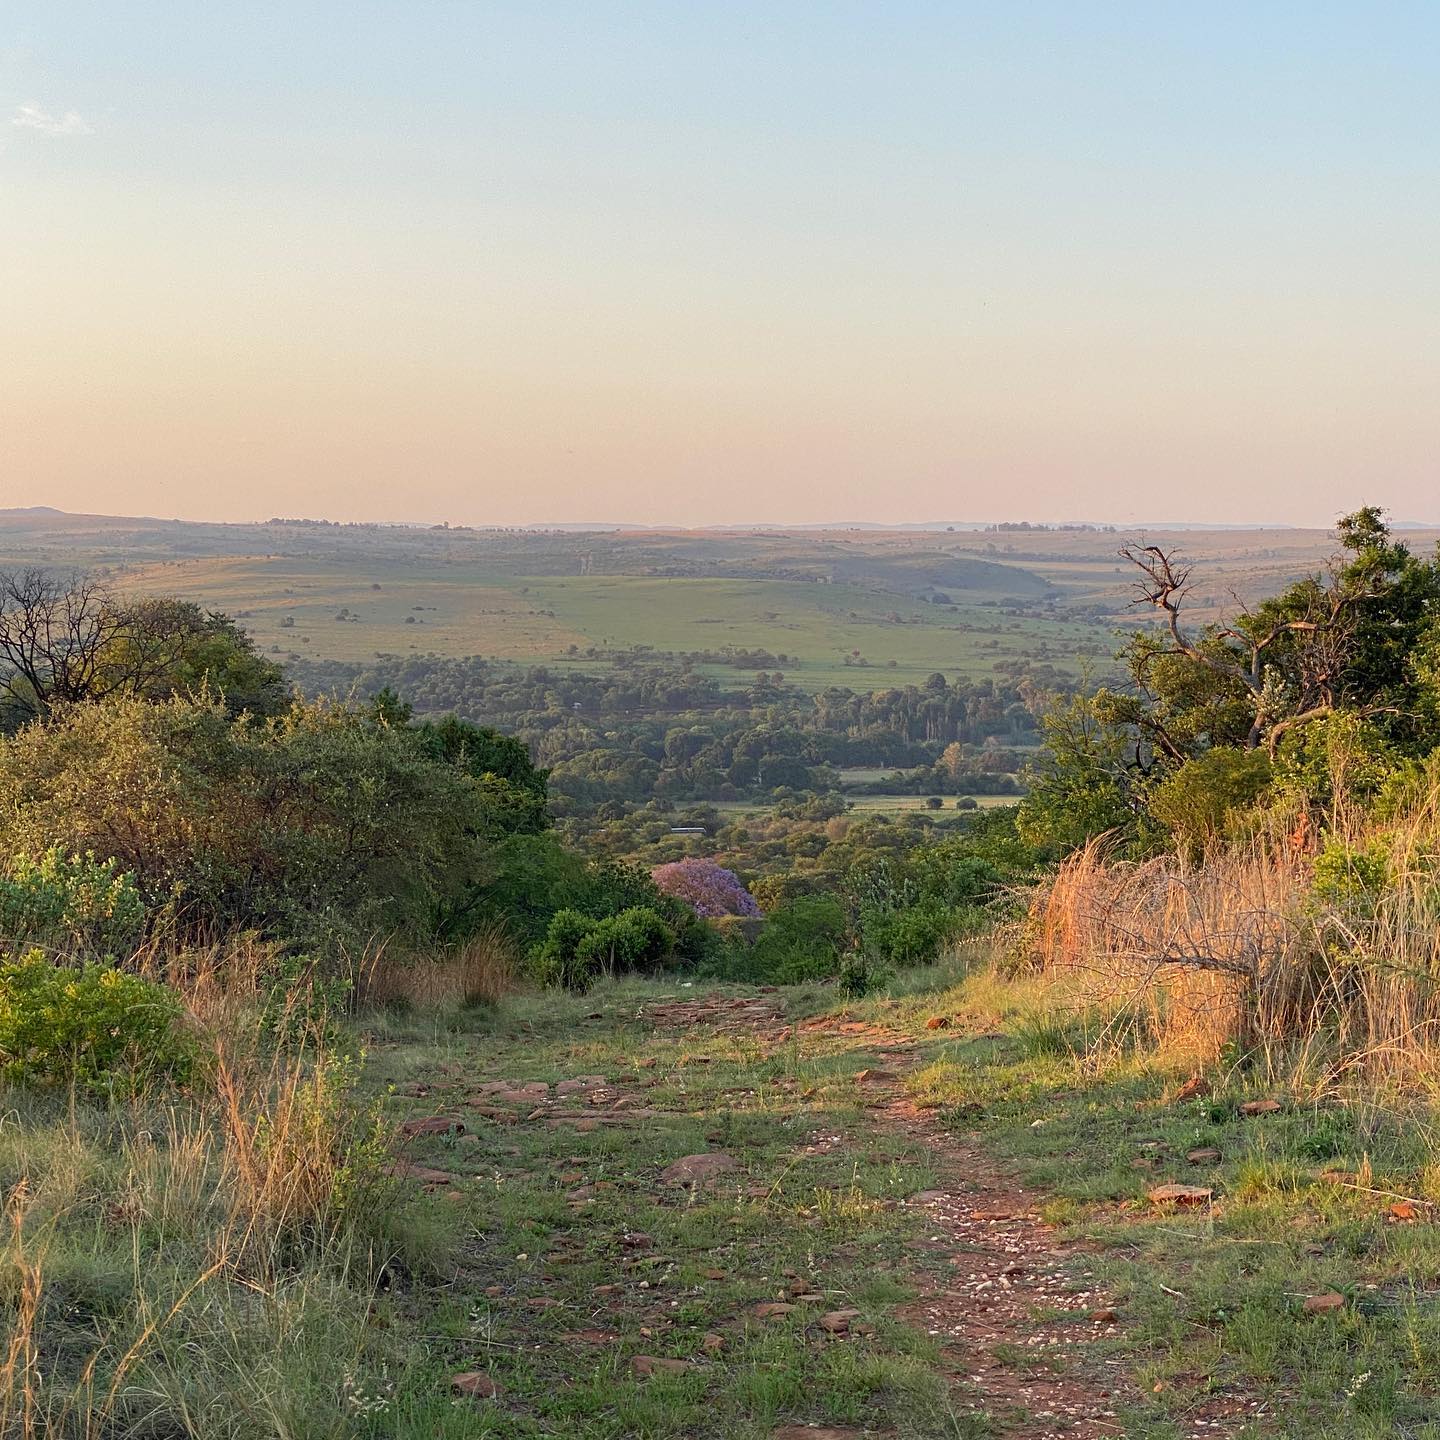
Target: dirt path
(1011,1305)
(1001,1292)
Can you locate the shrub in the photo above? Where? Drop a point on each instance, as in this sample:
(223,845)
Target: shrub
(860,975)
(1195,802)
(76,900)
(624,942)
(914,934)
(578,947)
(801,941)
(302,1003)
(95,1027)
(709,889)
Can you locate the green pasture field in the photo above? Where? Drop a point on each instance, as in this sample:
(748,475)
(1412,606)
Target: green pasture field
(395,607)
(876,804)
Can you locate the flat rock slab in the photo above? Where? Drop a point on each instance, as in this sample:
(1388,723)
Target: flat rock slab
(404,1170)
(698,1170)
(433,1125)
(659,1365)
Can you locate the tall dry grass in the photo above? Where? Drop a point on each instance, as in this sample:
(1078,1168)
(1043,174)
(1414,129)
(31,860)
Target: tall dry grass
(477,971)
(1241,948)
(264,1193)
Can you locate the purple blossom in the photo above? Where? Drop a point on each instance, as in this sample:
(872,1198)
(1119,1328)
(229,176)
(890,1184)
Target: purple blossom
(708,889)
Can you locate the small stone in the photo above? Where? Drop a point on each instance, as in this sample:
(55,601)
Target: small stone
(659,1365)
(1195,1088)
(433,1125)
(837,1322)
(1203,1155)
(1181,1195)
(1259,1107)
(474,1384)
(772,1309)
(938,1022)
(1325,1304)
(712,1344)
(1104,1317)
(403,1170)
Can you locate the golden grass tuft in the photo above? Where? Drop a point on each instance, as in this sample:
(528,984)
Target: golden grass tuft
(477,971)
(1238,948)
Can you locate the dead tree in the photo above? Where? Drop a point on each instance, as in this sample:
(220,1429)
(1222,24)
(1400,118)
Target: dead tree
(1309,684)
(55,633)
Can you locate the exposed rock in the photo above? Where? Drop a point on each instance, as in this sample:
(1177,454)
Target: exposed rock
(837,1322)
(475,1384)
(404,1170)
(1324,1304)
(659,1365)
(433,1125)
(697,1170)
(1181,1195)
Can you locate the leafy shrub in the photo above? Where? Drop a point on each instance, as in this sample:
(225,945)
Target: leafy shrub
(800,941)
(324,824)
(913,934)
(77,900)
(1195,801)
(94,1027)
(860,974)
(709,889)
(555,960)
(302,1003)
(578,947)
(625,941)
(1351,879)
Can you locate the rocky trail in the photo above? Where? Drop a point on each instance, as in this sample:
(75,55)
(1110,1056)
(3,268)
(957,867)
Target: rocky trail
(1028,1340)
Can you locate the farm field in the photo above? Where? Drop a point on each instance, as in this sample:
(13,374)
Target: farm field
(827,634)
(856,608)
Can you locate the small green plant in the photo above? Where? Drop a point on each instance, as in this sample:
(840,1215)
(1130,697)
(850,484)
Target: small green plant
(302,1005)
(860,974)
(1351,879)
(94,1027)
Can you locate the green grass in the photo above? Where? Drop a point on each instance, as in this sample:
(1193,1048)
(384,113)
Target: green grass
(709,1258)
(555,1255)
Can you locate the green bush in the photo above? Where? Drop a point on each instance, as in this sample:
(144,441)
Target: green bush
(801,940)
(1351,880)
(303,1004)
(73,900)
(578,947)
(1195,801)
(95,1027)
(914,934)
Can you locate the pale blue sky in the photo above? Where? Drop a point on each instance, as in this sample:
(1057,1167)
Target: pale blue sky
(695,263)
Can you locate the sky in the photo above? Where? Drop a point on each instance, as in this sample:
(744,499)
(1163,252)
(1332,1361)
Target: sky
(715,262)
